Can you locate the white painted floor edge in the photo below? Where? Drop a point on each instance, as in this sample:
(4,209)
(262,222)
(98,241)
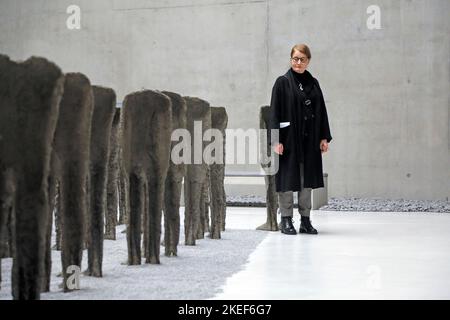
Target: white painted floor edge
(357,255)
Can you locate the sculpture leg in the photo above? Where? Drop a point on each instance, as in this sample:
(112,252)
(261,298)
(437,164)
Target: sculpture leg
(134,223)
(172,197)
(73,215)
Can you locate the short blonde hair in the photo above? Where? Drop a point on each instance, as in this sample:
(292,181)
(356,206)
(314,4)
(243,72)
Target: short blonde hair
(303,48)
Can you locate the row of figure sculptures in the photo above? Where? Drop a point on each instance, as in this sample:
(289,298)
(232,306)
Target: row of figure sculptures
(70,158)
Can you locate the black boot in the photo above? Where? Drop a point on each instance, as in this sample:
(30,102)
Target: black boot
(306,227)
(286,226)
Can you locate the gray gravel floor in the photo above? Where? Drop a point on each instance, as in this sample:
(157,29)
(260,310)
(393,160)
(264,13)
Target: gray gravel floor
(358,204)
(386,205)
(199,271)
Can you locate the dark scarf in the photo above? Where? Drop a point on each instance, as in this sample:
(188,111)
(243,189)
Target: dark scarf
(305,79)
(296,95)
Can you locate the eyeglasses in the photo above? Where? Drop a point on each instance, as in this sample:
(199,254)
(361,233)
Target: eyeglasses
(299,60)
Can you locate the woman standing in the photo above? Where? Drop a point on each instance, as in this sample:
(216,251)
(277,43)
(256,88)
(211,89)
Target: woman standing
(298,110)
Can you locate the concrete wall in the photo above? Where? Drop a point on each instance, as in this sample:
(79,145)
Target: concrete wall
(387,91)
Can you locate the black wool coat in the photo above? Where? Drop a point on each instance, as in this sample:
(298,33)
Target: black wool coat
(288,106)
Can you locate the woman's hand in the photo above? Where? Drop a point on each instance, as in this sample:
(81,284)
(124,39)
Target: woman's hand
(324,145)
(278,149)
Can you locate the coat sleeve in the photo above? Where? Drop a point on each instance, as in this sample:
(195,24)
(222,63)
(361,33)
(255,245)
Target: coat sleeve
(276,104)
(325,132)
